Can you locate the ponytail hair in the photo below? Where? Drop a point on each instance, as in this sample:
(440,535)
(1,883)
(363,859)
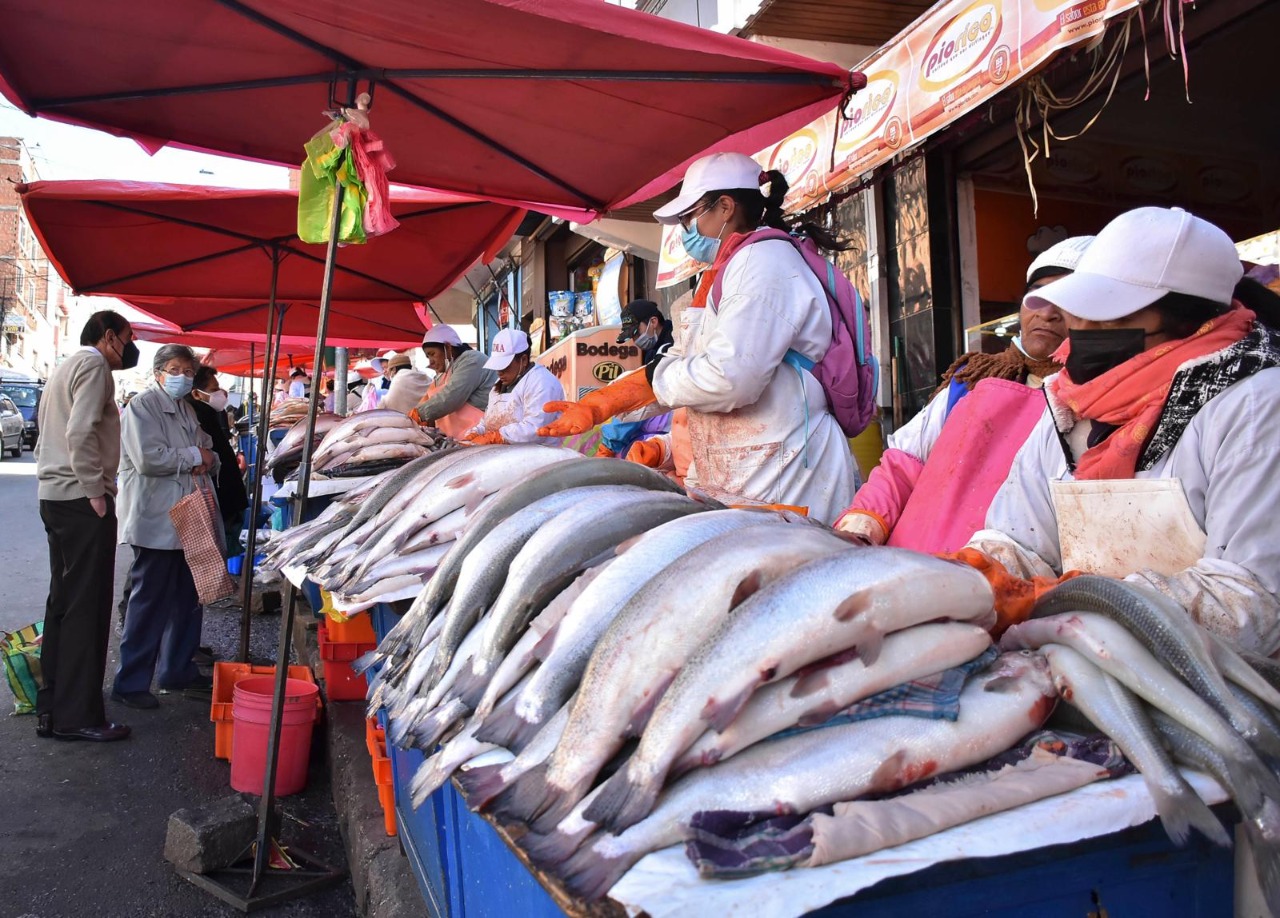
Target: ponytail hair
(762,209)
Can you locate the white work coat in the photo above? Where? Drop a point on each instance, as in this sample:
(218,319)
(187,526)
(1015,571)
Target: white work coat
(518,414)
(1224,461)
(747,409)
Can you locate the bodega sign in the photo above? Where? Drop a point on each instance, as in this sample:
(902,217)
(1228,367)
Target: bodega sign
(960,46)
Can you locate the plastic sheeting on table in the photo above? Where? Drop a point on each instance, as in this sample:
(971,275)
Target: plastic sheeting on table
(323,487)
(666,884)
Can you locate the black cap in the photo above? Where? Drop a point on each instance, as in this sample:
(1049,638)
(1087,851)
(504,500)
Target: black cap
(636,313)
(298,371)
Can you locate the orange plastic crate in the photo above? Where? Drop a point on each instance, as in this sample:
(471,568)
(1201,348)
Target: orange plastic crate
(340,682)
(225,677)
(375,740)
(356,630)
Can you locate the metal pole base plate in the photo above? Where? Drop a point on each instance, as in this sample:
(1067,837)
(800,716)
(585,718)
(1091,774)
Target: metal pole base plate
(234,885)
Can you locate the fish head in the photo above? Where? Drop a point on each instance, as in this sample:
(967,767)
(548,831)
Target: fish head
(1020,670)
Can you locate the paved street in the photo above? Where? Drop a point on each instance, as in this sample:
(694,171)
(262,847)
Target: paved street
(84,823)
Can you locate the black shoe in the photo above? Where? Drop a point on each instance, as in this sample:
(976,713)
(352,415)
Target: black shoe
(200,684)
(203,656)
(107,733)
(44,726)
(143,701)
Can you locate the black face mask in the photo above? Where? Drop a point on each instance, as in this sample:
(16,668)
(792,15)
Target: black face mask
(1094,351)
(128,356)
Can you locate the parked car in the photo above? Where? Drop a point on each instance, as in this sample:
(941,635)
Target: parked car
(26,395)
(10,427)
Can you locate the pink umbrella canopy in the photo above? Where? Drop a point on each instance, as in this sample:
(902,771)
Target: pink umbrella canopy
(579,105)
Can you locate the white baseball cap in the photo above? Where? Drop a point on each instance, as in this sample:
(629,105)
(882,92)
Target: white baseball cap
(1064,255)
(506,344)
(717,172)
(441,334)
(1139,257)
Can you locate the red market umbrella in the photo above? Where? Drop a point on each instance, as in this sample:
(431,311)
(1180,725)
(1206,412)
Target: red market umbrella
(141,240)
(578,104)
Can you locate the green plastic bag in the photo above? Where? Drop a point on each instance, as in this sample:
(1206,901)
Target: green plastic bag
(21,654)
(325,169)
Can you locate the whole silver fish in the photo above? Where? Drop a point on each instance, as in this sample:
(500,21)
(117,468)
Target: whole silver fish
(1118,713)
(1111,647)
(1165,629)
(553,556)
(486,567)
(851,599)
(567,650)
(290,445)
(647,644)
(473,477)
(799,773)
(816,693)
(532,487)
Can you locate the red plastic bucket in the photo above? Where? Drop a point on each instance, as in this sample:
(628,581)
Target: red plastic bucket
(251,712)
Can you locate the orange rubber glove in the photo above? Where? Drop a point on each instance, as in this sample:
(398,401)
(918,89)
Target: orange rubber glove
(626,394)
(603,452)
(1014,596)
(417,418)
(646,452)
(485,439)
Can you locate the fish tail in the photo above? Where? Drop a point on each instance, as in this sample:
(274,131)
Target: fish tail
(428,779)
(399,728)
(362,663)
(528,796)
(623,801)
(1187,811)
(1266,864)
(472,683)
(481,784)
(506,728)
(548,850)
(590,875)
(429,730)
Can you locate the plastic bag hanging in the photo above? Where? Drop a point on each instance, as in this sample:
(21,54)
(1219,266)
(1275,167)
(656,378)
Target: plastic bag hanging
(327,167)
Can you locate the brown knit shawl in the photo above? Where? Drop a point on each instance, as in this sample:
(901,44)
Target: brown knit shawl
(1009,364)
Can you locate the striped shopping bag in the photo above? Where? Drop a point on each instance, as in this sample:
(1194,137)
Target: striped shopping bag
(21,653)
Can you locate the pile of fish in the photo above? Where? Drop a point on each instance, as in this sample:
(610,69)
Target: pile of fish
(1168,691)
(371,442)
(289,411)
(646,657)
(289,450)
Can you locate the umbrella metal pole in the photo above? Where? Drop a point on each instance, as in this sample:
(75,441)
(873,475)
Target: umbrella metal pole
(267,805)
(251,542)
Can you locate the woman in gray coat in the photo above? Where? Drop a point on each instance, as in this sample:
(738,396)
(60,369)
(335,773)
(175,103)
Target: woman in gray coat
(162,448)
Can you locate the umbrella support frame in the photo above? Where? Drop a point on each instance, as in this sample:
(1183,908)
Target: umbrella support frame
(226,884)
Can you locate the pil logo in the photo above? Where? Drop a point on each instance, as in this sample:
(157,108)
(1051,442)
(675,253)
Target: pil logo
(607,371)
(960,46)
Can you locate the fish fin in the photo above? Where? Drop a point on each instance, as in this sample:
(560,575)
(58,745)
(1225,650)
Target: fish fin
(869,646)
(1002,684)
(640,716)
(549,849)
(590,875)
(481,784)
(470,686)
(432,727)
(1180,812)
(689,761)
(361,664)
(461,481)
(747,586)
(719,714)
(1266,864)
(527,797)
(856,604)
(820,714)
(815,676)
(429,778)
(1262,738)
(622,802)
(504,727)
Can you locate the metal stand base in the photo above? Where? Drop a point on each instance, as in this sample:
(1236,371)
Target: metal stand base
(234,885)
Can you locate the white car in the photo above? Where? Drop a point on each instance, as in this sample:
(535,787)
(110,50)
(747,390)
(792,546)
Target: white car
(11,424)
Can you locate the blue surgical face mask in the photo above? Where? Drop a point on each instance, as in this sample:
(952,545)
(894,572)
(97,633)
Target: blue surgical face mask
(177,386)
(700,248)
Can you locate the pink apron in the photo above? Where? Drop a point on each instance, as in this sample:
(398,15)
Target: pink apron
(968,465)
(459,422)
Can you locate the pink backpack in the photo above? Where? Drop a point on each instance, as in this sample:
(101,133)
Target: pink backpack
(848,371)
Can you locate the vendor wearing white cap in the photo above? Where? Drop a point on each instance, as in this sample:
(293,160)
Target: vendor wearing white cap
(1153,460)
(935,482)
(516,402)
(457,399)
(759,424)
